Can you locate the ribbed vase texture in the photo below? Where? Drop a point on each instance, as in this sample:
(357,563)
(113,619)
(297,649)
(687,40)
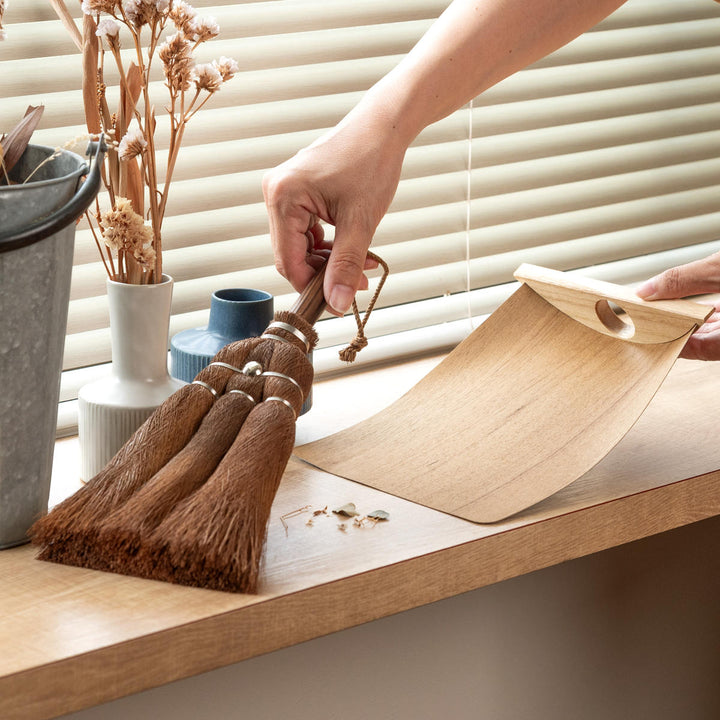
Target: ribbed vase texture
(111,409)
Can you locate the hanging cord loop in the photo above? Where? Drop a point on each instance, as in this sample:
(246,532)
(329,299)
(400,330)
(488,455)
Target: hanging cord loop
(349,353)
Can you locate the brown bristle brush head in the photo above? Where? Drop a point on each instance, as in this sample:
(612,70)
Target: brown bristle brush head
(118,538)
(152,445)
(215,538)
(62,533)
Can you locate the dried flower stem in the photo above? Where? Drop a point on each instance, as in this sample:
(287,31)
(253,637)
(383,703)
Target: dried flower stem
(99,246)
(172,159)
(122,275)
(193,111)
(66,19)
(155,216)
(107,184)
(139,259)
(292,513)
(115,52)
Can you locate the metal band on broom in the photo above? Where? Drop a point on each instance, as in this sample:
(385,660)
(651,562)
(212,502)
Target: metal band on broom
(188,497)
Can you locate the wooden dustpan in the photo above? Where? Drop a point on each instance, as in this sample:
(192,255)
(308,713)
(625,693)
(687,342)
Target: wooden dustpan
(529,402)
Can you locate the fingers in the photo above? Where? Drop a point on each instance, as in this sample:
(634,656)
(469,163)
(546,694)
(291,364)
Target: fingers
(293,227)
(344,275)
(703,347)
(300,247)
(704,344)
(701,276)
(695,278)
(346,178)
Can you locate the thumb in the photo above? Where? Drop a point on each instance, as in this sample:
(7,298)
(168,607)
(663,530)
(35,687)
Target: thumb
(345,265)
(700,276)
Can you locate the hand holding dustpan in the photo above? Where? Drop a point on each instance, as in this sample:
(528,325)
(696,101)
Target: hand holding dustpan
(535,397)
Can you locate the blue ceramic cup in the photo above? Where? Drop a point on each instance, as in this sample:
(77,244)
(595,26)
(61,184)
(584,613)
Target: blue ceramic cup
(235,314)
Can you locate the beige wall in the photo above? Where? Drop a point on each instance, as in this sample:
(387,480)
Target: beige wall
(628,634)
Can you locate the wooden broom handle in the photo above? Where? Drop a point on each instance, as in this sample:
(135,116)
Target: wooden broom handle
(311,303)
(588,302)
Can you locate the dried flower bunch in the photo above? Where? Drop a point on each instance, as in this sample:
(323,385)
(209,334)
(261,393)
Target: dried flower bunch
(169,30)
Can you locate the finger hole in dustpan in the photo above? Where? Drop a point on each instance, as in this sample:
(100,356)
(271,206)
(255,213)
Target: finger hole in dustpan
(615,318)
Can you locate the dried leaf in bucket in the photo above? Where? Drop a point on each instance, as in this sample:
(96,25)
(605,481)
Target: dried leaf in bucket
(15,142)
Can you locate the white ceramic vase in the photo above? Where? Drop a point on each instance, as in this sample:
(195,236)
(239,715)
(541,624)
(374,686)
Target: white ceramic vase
(111,409)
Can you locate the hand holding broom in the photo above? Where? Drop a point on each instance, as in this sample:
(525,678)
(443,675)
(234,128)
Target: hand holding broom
(188,497)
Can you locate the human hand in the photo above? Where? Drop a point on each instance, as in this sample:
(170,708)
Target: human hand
(695,278)
(346,178)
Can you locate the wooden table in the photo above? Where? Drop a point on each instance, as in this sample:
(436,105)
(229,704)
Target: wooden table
(122,635)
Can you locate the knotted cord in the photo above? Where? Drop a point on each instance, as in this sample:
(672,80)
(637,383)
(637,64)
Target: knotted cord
(349,353)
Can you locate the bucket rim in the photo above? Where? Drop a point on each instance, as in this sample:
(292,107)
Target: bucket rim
(80,170)
(85,193)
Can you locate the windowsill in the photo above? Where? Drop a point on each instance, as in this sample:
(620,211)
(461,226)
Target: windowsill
(122,635)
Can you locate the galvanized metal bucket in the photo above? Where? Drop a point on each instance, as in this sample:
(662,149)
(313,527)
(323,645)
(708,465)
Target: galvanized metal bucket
(37,232)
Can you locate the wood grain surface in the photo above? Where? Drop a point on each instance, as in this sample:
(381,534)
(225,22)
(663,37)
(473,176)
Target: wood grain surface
(520,409)
(73,638)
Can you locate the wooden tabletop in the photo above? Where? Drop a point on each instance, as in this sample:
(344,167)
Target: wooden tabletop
(72,638)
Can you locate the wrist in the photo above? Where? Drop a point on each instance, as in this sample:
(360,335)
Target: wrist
(386,111)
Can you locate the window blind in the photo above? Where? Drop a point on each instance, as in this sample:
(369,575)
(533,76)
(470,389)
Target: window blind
(603,157)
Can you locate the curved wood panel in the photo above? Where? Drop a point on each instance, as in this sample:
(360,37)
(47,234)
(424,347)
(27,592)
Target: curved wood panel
(523,407)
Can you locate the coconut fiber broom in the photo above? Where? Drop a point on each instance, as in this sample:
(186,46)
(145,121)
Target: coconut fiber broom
(188,497)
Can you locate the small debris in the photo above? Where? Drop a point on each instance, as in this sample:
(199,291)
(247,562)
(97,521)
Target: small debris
(293,513)
(347,510)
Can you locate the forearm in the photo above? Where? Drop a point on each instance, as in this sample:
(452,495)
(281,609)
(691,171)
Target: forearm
(348,177)
(472,46)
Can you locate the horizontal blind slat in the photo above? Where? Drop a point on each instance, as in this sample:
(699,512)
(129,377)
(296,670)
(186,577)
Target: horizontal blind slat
(263,86)
(565,216)
(265,152)
(395,323)
(311,50)
(267,119)
(265,18)
(38,35)
(354,43)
